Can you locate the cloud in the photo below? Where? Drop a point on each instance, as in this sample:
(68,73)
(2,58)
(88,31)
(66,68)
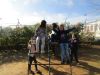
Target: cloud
(10,15)
(14,0)
(68,3)
(26,2)
(36,17)
(7,13)
(31,18)
(80,18)
(75,20)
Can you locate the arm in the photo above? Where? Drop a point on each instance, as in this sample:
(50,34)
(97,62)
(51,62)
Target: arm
(29,46)
(69,30)
(36,32)
(56,31)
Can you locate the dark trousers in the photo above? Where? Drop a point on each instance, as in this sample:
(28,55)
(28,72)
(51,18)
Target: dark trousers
(55,49)
(30,60)
(74,53)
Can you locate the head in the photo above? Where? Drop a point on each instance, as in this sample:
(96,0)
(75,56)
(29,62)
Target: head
(74,35)
(32,40)
(29,41)
(61,27)
(43,24)
(55,25)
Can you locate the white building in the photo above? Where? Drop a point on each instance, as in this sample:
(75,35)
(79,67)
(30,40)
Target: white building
(93,27)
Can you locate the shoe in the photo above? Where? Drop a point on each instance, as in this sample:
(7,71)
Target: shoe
(68,62)
(77,62)
(37,71)
(31,72)
(62,62)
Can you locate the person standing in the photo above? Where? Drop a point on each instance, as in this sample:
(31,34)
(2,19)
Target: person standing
(40,35)
(63,40)
(54,39)
(32,55)
(74,47)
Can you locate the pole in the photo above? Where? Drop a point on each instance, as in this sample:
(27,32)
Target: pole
(49,58)
(70,69)
(69,49)
(48,50)
(70,62)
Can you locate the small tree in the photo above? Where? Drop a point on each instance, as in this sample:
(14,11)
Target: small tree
(78,30)
(84,37)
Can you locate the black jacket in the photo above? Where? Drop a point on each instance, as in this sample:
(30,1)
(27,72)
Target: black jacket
(63,35)
(55,36)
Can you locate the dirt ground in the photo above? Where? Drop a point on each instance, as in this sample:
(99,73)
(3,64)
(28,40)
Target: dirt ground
(89,64)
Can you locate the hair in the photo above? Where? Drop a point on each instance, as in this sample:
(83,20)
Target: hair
(29,42)
(62,25)
(75,35)
(43,24)
(54,25)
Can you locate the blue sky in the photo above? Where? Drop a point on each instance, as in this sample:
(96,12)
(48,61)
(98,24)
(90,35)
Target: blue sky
(33,11)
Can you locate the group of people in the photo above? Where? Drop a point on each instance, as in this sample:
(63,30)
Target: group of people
(68,44)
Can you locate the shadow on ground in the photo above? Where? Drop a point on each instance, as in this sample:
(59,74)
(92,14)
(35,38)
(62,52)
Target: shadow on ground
(8,56)
(90,54)
(55,71)
(91,69)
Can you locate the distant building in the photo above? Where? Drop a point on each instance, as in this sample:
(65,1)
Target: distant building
(93,27)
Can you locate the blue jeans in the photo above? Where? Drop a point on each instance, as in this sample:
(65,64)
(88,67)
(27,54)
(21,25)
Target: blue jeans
(65,53)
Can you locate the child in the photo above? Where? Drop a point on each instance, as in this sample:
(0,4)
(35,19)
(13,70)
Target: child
(63,40)
(31,54)
(74,47)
